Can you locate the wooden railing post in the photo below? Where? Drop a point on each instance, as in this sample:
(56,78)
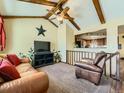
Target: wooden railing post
(66,56)
(110,66)
(118,67)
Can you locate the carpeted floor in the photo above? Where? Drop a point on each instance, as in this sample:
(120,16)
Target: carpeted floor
(62,80)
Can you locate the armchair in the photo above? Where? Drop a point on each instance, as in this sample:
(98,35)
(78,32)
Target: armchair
(91,71)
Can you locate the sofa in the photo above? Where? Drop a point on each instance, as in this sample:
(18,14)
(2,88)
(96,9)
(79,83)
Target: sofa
(30,81)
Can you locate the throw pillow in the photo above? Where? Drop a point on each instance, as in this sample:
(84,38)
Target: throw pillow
(13,59)
(8,71)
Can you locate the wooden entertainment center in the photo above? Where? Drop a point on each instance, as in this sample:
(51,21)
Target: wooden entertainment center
(42,54)
(43,59)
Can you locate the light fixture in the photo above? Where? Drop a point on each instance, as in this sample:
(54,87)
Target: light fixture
(59,18)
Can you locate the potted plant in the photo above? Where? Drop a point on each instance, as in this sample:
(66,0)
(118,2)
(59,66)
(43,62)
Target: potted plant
(57,56)
(27,57)
(24,58)
(31,54)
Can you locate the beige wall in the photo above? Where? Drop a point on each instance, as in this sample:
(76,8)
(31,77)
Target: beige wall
(21,33)
(65,39)
(121,41)
(69,38)
(62,41)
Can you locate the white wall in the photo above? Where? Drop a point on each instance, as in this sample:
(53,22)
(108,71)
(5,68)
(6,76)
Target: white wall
(62,41)
(65,40)
(21,33)
(69,38)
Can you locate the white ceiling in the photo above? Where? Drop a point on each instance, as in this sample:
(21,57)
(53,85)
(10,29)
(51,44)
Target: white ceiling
(82,10)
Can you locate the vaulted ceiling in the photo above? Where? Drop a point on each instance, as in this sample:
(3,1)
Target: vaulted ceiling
(82,10)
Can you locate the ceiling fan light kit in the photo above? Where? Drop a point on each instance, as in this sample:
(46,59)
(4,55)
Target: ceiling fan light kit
(59,18)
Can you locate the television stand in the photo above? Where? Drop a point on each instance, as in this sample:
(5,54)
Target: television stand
(43,59)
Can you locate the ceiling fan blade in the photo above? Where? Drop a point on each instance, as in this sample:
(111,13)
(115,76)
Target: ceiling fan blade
(43,2)
(53,18)
(53,23)
(63,13)
(99,11)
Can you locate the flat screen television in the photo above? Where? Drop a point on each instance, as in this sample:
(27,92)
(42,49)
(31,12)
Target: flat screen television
(41,46)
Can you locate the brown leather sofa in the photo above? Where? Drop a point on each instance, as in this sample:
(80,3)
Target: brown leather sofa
(31,81)
(91,71)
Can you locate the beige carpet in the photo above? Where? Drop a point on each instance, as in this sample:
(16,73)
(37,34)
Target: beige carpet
(62,80)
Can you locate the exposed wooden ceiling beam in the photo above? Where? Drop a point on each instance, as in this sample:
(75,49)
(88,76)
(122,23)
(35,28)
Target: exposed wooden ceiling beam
(12,16)
(75,24)
(99,11)
(43,2)
(70,19)
(15,17)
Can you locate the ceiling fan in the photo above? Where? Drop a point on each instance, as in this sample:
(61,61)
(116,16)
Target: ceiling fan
(56,6)
(60,16)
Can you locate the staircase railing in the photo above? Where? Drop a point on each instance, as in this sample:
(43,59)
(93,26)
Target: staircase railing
(112,64)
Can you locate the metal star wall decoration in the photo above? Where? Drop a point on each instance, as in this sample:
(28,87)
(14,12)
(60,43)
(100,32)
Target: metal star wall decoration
(41,31)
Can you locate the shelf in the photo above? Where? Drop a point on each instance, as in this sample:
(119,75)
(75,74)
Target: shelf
(42,59)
